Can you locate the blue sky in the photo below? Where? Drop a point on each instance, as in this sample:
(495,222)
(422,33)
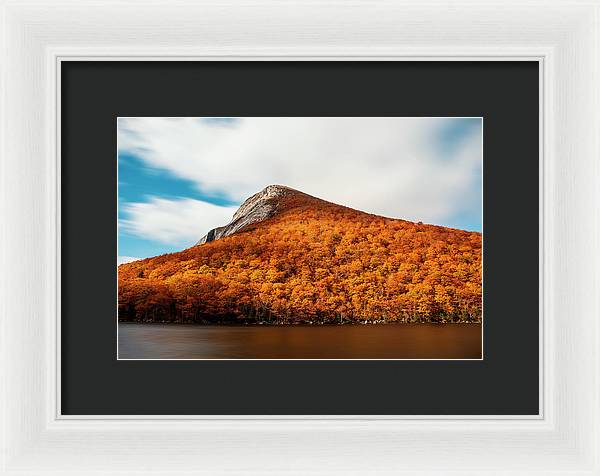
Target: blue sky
(179,177)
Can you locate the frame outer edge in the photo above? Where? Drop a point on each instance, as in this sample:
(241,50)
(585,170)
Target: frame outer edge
(37,448)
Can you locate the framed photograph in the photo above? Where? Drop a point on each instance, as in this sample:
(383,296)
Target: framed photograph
(251,269)
(246,246)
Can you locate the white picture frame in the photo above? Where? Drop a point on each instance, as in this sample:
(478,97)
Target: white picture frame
(562,35)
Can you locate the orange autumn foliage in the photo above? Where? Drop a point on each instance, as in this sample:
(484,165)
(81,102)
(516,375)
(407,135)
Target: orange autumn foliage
(314,261)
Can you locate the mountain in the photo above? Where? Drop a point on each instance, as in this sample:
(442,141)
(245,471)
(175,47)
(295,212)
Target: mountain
(288,257)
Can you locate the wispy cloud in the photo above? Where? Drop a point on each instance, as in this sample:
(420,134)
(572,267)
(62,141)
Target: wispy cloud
(126,259)
(220,121)
(180,222)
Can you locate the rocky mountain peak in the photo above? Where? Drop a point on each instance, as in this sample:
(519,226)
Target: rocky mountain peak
(258,207)
(268,193)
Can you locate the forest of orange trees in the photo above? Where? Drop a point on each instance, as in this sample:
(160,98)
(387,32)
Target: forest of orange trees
(313,263)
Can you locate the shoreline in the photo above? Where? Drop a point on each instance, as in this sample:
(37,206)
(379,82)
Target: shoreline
(295,324)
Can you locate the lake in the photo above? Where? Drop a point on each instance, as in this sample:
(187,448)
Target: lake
(384,341)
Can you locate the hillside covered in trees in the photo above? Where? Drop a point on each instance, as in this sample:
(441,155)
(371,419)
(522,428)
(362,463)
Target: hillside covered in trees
(294,258)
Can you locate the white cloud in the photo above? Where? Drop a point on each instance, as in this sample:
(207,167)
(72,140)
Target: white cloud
(126,259)
(388,166)
(179,222)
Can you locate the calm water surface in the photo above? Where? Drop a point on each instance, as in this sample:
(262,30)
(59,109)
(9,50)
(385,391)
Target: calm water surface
(387,341)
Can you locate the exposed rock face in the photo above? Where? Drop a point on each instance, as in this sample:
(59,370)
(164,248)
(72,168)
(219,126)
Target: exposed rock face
(258,207)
